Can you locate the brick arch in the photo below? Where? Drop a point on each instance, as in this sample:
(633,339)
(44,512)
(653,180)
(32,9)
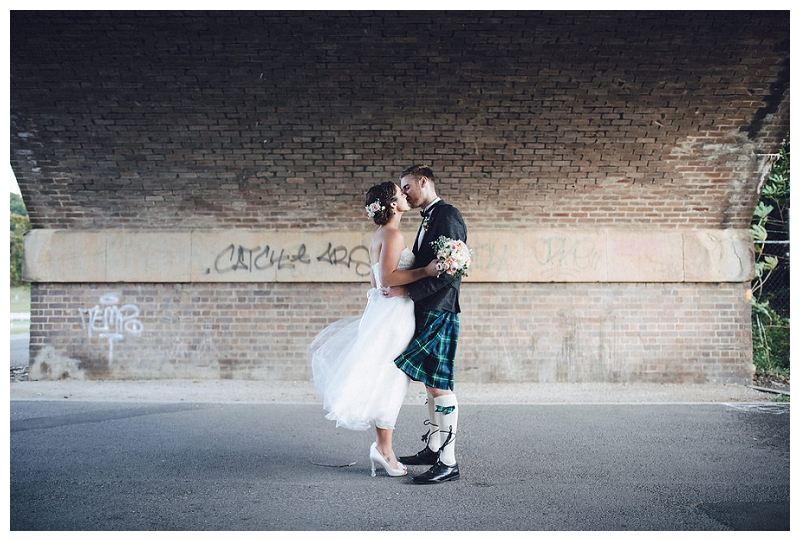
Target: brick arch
(625,125)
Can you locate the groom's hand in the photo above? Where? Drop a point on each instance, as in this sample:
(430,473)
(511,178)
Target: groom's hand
(394,291)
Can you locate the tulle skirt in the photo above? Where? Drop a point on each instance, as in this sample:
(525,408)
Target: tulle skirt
(352,363)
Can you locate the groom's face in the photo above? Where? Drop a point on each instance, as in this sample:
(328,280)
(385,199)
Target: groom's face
(411,189)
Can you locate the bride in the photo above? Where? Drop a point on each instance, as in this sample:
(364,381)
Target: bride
(352,360)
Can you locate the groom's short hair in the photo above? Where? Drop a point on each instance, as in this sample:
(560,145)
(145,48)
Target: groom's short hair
(418,171)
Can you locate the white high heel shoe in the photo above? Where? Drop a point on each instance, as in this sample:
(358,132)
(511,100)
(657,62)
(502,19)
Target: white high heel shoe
(375,456)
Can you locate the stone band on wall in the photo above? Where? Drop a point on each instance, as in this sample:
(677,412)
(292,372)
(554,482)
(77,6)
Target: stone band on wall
(503,255)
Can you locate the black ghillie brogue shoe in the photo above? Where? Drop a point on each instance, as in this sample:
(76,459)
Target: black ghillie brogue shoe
(426,457)
(439,473)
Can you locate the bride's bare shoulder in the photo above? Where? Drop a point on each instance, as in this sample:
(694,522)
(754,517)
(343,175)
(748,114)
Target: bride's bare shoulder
(395,235)
(388,236)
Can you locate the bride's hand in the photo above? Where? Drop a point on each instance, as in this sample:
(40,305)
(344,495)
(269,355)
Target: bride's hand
(431,270)
(394,291)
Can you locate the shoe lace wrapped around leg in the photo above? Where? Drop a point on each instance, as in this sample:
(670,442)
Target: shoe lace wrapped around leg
(450,437)
(426,436)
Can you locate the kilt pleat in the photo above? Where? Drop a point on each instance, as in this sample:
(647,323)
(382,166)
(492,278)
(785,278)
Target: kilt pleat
(430,355)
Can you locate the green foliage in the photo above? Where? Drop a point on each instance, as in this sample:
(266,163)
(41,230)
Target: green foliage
(18,205)
(770,343)
(770,222)
(20,223)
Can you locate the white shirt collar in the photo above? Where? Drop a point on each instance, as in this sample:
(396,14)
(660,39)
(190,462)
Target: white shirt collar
(432,203)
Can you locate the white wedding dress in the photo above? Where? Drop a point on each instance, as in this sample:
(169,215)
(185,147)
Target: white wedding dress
(352,360)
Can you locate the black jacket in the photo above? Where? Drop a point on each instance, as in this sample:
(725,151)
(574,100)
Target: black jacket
(440,293)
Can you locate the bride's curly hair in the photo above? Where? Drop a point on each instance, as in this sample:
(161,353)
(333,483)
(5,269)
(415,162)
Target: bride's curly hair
(384,193)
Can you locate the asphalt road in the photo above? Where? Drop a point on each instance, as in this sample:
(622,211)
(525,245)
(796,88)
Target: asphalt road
(19,349)
(145,466)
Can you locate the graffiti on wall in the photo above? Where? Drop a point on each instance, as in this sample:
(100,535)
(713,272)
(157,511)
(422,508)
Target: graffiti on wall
(546,255)
(539,256)
(243,259)
(111,321)
(563,255)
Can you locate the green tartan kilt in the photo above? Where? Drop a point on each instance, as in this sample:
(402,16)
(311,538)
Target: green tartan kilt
(430,355)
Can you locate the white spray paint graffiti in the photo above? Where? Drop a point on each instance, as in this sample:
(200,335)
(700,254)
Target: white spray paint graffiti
(111,321)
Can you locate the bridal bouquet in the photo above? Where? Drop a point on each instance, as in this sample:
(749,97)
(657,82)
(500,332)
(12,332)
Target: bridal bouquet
(453,256)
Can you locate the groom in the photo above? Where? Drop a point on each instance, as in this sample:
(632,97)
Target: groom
(430,355)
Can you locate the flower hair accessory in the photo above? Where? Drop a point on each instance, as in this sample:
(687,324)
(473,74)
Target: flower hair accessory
(374,207)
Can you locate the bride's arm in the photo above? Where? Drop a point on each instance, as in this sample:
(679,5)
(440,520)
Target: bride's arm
(393,246)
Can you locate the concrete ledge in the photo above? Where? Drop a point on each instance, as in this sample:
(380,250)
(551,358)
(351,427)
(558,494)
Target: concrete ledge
(302,392)
(543,255)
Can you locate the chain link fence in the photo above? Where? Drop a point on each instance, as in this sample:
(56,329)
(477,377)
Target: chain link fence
(771,333)
(776,287)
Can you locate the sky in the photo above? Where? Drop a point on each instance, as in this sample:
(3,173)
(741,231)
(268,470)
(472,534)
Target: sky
(13,182)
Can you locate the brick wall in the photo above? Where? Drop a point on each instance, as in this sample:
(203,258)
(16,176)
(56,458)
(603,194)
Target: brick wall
(242,331)
(672,333)
(677,333)
(153,120)
(281,121)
